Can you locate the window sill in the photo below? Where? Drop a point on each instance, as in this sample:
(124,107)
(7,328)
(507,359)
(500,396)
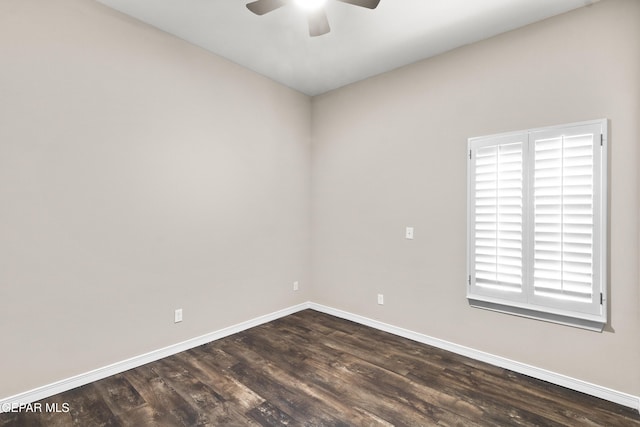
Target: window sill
(562,319)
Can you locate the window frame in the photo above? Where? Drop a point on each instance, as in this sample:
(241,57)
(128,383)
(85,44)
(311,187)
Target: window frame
(526,304)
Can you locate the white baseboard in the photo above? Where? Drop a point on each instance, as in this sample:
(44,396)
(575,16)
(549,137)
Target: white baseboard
(119,367)
(615,396)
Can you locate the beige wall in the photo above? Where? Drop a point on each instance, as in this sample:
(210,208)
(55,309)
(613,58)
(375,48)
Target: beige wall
(390,152)
(138,174)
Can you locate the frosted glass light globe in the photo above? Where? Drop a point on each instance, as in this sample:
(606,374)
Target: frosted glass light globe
(310,5)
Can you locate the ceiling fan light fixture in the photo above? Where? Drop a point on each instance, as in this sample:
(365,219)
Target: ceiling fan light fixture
(315,11)
(310,5)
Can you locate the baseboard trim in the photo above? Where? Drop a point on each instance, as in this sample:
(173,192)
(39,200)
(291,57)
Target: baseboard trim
(119,367)
(615,396)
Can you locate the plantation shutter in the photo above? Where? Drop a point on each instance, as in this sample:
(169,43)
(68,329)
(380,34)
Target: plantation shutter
(497,197)
(537,223)
(565,202)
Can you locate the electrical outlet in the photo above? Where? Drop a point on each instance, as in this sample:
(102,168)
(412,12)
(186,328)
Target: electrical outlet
(380,299)
(296,285)
(177,316)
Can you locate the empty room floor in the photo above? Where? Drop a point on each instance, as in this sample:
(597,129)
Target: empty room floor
(313,369)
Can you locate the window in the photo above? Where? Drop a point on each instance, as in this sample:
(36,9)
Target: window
(537,223)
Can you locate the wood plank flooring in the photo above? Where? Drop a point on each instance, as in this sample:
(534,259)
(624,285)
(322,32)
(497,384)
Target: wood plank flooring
(311,369)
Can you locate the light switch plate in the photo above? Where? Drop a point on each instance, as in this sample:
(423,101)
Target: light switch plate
(409,233)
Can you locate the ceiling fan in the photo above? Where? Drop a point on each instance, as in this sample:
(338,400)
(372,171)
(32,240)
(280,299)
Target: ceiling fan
(318,22)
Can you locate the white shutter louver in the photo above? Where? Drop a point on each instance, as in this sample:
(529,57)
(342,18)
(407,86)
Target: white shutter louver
(498,217)
(563,217)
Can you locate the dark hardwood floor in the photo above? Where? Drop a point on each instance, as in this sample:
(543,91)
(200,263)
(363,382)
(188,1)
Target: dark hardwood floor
(317,370)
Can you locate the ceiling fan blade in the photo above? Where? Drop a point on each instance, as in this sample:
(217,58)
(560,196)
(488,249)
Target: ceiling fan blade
(369,4)
(260,7)
(318,23)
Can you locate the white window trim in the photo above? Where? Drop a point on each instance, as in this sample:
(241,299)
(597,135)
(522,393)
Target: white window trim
(524,307)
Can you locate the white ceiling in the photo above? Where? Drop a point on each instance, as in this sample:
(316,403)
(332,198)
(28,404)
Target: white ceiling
(362,42)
